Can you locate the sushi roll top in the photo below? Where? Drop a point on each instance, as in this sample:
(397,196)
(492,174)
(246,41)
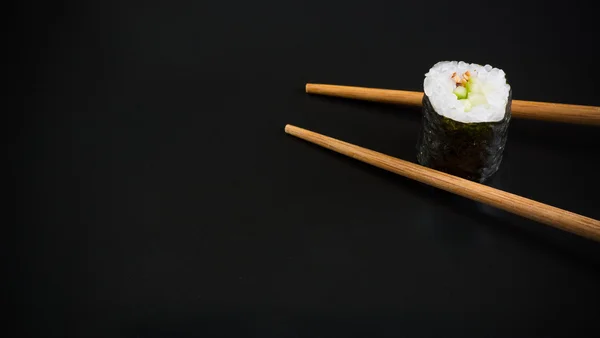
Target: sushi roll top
(467,93)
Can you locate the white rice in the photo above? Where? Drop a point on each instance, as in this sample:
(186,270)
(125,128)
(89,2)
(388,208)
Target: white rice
(438,86)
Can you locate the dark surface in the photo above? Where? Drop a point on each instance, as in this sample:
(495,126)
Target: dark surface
(158,196)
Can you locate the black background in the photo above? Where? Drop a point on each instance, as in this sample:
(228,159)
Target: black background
(157,194)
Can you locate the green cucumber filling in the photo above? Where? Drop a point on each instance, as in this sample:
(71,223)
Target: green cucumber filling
(467,104)
(468,91)
(460,92)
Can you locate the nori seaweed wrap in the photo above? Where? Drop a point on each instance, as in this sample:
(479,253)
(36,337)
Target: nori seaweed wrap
(471,150)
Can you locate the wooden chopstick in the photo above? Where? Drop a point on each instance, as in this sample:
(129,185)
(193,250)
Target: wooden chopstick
(557,112)
(543,213)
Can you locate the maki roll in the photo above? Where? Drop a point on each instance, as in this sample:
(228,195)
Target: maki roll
(466,112)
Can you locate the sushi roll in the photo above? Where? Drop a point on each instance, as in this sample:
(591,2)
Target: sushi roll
(466,112)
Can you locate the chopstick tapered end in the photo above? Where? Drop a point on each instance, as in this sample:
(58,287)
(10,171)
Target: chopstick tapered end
(312,88)
(287,128)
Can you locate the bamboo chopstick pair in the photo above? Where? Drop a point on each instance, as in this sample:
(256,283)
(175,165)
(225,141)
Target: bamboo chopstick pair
(543,213)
